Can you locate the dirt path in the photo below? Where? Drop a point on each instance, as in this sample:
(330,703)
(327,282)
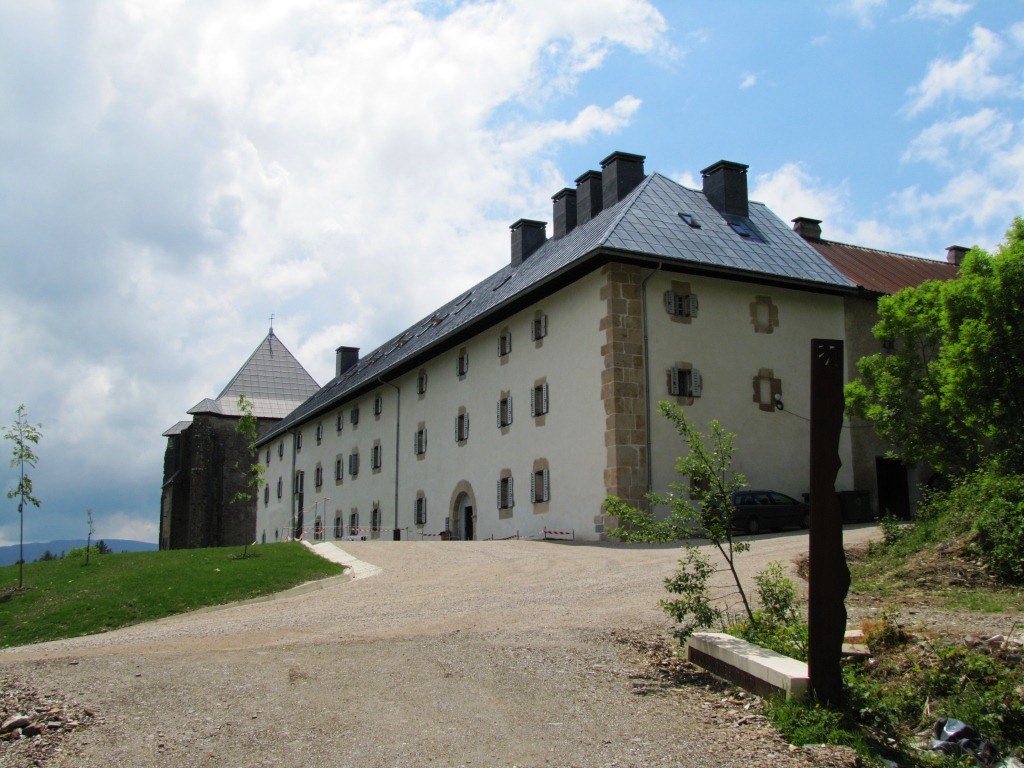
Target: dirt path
(469,653)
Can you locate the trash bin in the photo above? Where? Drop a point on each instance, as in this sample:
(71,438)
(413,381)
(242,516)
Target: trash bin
(398,534)
(855,506)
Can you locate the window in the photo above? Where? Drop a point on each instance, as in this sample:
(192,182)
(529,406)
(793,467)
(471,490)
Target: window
(298,441)
(461,427)
(353,416)
(280,449)
(353,464)
(685,383)
(421,383)
(353,522)
(768,391)
(280,487)
(505,343)
(690,219)
(318,528)
(420,510)
(376,456)
(318,476)
(539,486)
(338,532)
(340,422)
(539,401)
(419,445)
(319,433)
(378,405)
(375,518)
(539,327)
(300,481)
(505,499)
(505,411)
(266,495)
(681,304)
(339,471)
(462,363)
(267,462)
(740,228)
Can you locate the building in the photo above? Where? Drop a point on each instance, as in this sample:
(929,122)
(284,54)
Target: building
(893,487)
(519,405)
(206,457)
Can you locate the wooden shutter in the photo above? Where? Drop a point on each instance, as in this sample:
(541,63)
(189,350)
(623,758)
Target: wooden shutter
(674,382)
(696,383)
(692,305)
(544,397)
(670,302)
(544,477)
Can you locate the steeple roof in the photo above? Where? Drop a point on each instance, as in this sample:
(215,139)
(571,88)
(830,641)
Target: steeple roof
(271,378)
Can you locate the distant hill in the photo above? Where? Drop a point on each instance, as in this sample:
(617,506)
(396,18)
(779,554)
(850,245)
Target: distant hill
(35,550)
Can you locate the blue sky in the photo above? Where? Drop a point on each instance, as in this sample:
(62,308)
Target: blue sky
(173,173)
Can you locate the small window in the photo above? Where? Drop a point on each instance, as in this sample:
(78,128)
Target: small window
(539,486)
(298,441)
(378,405)
(353,464)
(375,518)
(461,427)
(280,487)
(340,422)
(339,470)
(376,457)
(280,449)
(462,363)
(266,495)
(421,383)
(419,446)
(539,401)
(319,433)
(318,528)
(300,481)
(685,383)
(768,391)
(740,228)
(353,416)
(267,462)
(338,528)
(681,304)
(318,476)
(353,523)
(690,219)
(505,411)
(505,343)
(505,498)
(539,327)
(420,510)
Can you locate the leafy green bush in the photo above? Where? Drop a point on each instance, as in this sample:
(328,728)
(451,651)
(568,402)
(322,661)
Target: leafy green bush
(777,624)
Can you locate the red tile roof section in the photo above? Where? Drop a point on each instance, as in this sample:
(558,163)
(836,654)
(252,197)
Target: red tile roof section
(882,271)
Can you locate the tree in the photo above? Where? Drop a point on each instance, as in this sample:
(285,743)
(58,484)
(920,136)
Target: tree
(703,503)
(951,390)
(101,548)
(24,436)
(248,428)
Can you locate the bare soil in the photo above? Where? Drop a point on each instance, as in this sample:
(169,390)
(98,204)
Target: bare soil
(464,653)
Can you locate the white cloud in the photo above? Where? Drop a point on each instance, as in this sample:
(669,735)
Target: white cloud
(123,525)
(186,170)
(947,142)
(790,191)
(863,11)
(970,77)
(944,10)
(749,80)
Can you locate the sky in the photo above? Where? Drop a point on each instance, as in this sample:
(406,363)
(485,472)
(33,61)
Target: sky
(174,173)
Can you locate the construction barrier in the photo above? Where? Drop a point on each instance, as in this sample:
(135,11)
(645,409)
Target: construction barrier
(548,534)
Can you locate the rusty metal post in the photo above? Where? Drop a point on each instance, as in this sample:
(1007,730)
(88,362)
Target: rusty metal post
(829,577)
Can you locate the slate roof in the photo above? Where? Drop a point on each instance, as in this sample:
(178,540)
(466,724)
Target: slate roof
(646,224)
(882,271)
(271,378)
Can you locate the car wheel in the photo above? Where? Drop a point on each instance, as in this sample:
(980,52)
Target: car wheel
(753,525)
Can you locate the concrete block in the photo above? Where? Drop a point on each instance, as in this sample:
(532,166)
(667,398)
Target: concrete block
(749,666)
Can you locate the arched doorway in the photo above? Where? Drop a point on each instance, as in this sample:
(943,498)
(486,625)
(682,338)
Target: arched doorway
(462,516)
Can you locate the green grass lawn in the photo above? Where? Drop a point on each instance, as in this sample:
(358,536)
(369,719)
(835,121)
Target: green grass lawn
(67,598)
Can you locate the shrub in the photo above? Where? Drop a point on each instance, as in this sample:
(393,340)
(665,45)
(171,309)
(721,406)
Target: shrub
(777,624)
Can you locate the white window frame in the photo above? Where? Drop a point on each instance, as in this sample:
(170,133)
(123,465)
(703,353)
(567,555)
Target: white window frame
(539,400)
(378,405)
(375,519)
(539,327)
(340,422)
(319,432)
(376,456)
(421,383)
(419,442)
(685,382)
(353,464)
(420,510)
(681,304)
(339,470)
(505,411)
(462,364)
(505,344)
(506,496)
(318,476)
(462,427)
(353,523)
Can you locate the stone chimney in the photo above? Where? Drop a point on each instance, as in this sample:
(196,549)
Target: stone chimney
(588,197)
(955,254)
(345,358)
(564,214)
(527,237)
(808,229)
(725,187)
(620,174)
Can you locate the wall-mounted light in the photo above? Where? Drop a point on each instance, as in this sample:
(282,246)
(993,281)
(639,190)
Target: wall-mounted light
(778,402)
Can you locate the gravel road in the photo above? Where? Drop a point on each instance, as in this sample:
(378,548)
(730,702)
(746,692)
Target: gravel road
(456,654)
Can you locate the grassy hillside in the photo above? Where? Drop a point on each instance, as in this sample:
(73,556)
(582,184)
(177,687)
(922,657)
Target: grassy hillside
(67,598)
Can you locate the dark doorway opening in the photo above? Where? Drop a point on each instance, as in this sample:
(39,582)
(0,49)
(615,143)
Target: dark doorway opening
(893,491)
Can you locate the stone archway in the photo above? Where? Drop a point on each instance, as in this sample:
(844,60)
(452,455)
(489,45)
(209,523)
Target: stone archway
(462,517)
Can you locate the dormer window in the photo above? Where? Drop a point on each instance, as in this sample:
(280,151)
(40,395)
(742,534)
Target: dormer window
(690,219)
